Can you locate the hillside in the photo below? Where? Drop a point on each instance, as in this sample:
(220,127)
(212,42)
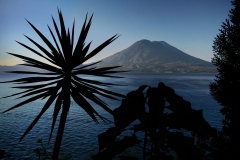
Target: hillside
(156,56)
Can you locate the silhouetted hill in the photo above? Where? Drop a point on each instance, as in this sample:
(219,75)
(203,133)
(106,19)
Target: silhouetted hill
(156,56)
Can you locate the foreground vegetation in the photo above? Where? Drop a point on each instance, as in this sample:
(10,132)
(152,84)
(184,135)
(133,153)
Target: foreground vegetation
(225,89)
(164,118)
(63,83)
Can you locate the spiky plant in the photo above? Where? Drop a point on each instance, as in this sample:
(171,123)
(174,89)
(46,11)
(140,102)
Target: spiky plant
(63,82)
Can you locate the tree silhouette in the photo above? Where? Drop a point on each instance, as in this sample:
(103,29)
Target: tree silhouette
(62,82)
(226,87)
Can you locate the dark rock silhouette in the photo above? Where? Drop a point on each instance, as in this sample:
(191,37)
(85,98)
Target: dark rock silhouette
(162,116)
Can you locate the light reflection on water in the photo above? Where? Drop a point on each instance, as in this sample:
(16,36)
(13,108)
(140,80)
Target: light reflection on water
(80,135)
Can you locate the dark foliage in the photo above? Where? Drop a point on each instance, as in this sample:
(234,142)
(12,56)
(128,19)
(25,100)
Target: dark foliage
(3,154)
(226,88)
(162,123)
(42,153)
(63,80)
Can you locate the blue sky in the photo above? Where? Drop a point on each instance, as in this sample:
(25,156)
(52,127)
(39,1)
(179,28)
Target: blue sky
(189,25)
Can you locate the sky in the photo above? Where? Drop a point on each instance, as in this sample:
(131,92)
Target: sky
(189,25)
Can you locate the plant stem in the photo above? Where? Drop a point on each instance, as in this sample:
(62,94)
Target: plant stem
(65,109)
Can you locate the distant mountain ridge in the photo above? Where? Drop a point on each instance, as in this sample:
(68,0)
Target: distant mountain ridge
(156,56)
(145,56)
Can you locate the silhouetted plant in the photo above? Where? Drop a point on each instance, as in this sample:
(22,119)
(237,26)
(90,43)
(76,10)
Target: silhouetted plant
(161,123)
(3,154)
(62,82)
(225,89)
(43,154)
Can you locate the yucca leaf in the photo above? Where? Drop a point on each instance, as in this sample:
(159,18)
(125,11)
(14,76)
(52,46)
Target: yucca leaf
(65,109)
(55,41)
(39,66)
(27,101)
(86,29)
(63,118)
(59,37)
(91,69)
(58,58)
(98,101)
(36,64)
(89,95)
(57,108)
(67,59)
(80,42)
(37,92)
(80,100)
(33,79)
(59,54)
(54,51)
(111,72)
(72,42)
(34,51)
(63,30)
(79,57)
(82,37)
(45,107)
(29,90)
(32,88)
(57,31)
(95,73)
(52,59)
(87,107)
(43,65)
(98,71)
(36,86)
(99,48)
(69,43)
(93,89)
(106,68)
(103,94)
(104,90)
(105,71)
(95,82)
(29,72)
(64,39)
(87,65)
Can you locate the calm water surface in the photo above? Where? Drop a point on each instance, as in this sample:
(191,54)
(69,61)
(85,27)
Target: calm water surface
(80,135)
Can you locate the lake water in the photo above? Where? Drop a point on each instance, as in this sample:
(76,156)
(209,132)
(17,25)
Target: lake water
(80,135)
